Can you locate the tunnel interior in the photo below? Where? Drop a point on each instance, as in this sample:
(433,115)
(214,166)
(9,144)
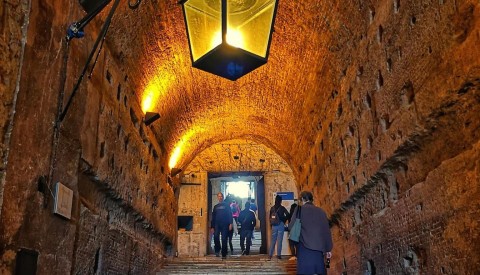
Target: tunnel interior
(373,106)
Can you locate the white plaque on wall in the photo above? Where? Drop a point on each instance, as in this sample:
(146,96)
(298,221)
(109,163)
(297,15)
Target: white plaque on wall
(63,200)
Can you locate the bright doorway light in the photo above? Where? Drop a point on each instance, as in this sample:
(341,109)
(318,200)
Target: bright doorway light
(240,189)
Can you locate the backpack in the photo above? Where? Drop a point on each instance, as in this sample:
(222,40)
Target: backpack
(274,219)
(233,208)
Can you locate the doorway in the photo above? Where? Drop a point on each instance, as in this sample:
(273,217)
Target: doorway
(239,188)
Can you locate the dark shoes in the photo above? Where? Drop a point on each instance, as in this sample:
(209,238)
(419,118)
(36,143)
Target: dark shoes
(279,257)
(217,254)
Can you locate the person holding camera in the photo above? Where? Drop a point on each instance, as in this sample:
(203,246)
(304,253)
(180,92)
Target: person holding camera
(315,237)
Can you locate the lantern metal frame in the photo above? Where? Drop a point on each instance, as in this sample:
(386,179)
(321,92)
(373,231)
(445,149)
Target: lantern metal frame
(225,60)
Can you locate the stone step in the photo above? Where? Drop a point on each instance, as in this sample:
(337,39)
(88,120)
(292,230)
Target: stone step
(226,272)
(252,264)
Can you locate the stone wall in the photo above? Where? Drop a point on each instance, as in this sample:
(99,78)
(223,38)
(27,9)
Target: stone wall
(12,46)
(124,215)
(395,163)
(192,201)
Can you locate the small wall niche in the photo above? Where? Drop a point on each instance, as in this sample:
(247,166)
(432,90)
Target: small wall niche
(26,261)
(185,223)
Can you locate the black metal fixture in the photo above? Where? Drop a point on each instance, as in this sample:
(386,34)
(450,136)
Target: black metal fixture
(229,38)
(150,117)
(75,30)
(175,171)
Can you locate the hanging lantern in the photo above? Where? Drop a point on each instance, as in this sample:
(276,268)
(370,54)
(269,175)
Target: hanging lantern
(229,38)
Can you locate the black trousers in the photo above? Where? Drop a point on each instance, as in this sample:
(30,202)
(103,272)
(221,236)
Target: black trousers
(293,247)
(246,234)
(221,230)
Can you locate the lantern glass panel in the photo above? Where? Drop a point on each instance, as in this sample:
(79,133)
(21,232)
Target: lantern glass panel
(249,25)
(204,25)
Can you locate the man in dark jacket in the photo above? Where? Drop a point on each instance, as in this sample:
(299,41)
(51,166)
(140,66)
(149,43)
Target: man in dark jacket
(222,221)
(248,221)
(315,237)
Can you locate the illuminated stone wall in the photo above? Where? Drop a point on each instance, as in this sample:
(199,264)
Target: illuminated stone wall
(192,202)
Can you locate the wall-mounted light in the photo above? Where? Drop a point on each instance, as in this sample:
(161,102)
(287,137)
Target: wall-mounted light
(229,38)
(150,117)
(175,171)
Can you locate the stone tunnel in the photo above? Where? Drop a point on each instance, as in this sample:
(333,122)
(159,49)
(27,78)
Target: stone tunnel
(374,106)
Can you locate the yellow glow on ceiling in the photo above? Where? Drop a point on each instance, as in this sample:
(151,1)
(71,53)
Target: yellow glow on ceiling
(156,88)
(182,145)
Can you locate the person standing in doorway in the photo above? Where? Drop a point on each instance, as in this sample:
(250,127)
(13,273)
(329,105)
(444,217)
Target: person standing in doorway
(292,244)
(247,221)
(278,217)
(221,224)
(235,212)
(315,242)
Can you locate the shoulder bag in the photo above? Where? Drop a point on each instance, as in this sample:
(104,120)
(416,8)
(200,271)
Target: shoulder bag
(297,226)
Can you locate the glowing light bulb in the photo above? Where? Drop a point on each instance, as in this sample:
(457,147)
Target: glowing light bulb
(234,38)
(147,101)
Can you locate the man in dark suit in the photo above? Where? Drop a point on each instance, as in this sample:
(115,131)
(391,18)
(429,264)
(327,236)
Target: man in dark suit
(222,221)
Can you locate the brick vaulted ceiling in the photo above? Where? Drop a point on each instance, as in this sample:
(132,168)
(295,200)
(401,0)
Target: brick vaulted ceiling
(238,156)
(320,50)
(271,105)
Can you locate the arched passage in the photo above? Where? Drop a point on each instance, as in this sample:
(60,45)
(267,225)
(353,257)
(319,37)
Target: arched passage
(208,173)
(374,106)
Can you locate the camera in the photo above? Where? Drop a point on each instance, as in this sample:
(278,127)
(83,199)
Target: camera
(327,263)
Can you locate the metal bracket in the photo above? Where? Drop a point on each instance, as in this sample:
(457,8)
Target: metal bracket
(75,30)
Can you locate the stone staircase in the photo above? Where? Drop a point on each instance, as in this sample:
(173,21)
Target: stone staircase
(251,265)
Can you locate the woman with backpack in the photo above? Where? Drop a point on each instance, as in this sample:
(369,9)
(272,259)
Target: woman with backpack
(278,217)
